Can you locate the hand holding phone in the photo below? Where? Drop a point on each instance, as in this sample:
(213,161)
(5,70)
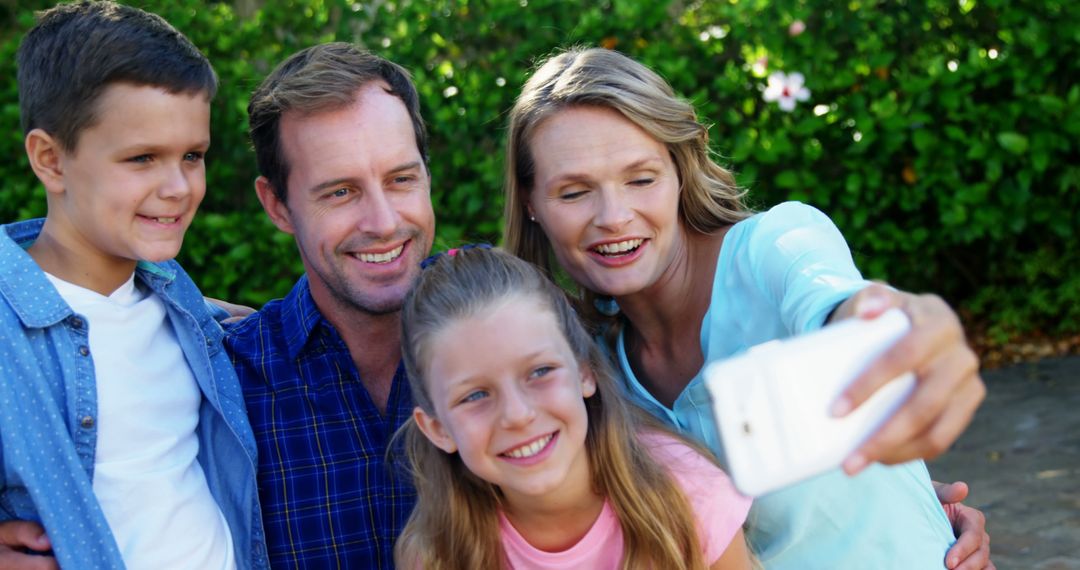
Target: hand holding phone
(772,404)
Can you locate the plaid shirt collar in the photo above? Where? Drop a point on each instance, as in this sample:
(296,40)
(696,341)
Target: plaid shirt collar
(299,317)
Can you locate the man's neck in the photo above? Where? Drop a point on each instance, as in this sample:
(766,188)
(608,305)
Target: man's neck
(374,343)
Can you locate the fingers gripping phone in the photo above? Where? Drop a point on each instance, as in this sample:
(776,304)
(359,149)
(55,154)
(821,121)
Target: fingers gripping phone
(772,403)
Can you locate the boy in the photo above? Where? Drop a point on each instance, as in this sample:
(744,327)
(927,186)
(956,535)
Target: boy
(122,426)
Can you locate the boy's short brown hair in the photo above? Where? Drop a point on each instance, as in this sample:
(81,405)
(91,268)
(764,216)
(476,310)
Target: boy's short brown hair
(76,50)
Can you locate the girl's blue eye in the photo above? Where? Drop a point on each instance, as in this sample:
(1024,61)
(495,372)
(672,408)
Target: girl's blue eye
(193,156)
(141,159)
(641,182)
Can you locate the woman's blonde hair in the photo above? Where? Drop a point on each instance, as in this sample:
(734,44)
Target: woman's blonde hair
(709,198)
(455,522)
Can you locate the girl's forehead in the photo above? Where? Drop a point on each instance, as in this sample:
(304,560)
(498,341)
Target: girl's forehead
(496,338)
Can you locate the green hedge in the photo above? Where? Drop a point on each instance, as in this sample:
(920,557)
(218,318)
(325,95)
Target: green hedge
(940,135)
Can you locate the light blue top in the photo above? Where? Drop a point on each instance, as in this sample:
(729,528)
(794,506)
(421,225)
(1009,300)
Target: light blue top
(48,410)
(781,273)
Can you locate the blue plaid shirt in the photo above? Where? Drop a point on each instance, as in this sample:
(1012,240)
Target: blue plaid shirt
(330,497)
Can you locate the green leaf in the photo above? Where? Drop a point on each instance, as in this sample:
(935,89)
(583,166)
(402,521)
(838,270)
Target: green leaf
(1013,142)
(923,140)
(787,179)
(1040,160)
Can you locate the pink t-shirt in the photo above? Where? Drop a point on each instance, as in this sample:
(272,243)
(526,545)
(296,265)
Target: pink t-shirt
(718,509)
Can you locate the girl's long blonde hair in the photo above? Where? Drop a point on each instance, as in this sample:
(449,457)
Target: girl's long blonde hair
(455,522)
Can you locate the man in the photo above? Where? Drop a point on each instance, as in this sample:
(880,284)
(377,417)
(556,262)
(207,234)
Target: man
(342,151)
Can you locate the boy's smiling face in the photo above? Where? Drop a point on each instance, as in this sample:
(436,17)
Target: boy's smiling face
(130,188)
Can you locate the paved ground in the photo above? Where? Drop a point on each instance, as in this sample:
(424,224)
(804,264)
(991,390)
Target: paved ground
(1021,457)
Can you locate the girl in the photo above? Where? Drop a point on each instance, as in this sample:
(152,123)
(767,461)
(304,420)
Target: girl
(609,174)
(524,451)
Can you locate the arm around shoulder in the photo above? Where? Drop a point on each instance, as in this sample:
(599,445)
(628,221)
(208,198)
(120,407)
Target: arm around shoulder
(17,539)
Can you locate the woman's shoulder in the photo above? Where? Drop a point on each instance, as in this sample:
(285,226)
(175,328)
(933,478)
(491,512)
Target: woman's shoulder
(783,217)
(781,233)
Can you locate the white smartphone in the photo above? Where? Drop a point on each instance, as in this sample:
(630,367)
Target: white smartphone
(772,403)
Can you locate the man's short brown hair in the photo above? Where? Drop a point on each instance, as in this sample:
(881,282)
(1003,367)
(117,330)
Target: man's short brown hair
(321,78)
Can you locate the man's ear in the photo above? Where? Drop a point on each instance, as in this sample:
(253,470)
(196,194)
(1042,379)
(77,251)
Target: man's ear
(433,429)
(46,154)
(275,208)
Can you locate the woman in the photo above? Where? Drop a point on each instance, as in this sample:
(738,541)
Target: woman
(609,173)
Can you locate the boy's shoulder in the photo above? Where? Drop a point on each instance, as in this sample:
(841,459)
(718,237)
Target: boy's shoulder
(25,291)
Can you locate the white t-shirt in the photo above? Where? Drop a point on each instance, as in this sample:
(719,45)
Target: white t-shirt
(147,477)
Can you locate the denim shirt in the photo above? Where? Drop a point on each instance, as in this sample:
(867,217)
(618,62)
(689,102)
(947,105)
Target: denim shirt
(48,410)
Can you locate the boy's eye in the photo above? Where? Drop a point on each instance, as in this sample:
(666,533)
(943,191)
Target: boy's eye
(474,396)
(141,159)
(403,179)
(541,371)
(193,156)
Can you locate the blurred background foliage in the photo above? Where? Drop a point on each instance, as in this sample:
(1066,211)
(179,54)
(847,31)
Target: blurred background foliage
(940,135)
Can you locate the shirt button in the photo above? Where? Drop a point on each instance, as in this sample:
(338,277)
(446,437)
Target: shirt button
(76,322)
(87,422)
(84,350)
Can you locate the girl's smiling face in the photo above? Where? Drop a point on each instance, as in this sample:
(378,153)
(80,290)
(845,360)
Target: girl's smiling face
(509,398)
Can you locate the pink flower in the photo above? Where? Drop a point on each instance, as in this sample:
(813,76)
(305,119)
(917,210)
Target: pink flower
(797,27)
(786,89)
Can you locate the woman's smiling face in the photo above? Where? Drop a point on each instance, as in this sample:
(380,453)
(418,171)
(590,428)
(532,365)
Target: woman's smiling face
(606,194)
